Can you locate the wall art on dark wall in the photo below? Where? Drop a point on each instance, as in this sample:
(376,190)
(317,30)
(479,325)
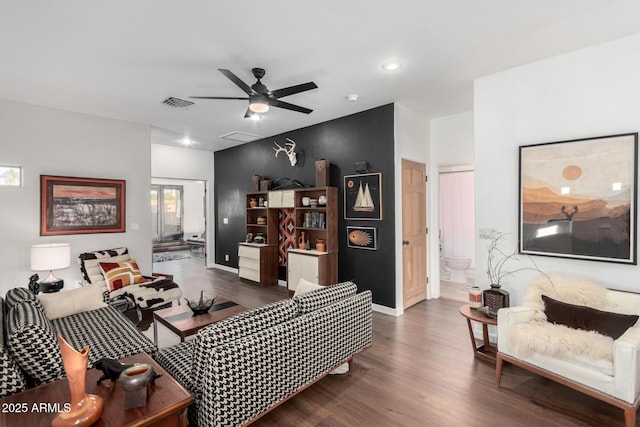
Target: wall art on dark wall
(578,198)
(363,196)
(362,237)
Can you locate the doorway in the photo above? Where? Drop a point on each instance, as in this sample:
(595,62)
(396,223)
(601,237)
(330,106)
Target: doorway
(178,217)
(456,213)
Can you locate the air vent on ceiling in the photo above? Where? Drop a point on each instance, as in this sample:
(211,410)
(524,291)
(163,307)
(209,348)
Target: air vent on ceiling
(177,102)
(240,136)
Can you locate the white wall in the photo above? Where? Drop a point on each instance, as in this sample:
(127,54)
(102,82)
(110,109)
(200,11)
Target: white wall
(451,144)
(186,163)
(53,142)
(411,143)
(585,93)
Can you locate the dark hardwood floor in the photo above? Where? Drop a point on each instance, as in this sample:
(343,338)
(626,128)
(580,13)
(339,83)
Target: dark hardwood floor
(420,371)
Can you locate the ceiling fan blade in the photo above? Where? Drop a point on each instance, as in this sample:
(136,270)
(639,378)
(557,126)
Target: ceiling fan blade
(287,106)
(242,85)
(216,97)
(279,93)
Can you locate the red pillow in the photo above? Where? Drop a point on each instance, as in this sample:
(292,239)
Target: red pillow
(121,274)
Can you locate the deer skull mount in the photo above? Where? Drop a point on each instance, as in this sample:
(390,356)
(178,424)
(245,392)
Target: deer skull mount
(289,150)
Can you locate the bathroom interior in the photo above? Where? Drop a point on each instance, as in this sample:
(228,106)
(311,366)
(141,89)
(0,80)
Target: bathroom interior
(457,224)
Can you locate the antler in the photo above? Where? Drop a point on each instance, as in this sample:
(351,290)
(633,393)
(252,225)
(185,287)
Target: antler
(289,150)
(279,149)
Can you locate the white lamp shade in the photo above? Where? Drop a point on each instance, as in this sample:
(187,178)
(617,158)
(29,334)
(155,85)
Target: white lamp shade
(51,256)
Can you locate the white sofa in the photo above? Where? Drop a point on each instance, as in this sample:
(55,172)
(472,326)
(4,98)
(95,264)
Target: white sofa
(588,361)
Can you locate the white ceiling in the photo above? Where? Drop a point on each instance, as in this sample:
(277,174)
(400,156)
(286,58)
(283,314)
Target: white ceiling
(121,59)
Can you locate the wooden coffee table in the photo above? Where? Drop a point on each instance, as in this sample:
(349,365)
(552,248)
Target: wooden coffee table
(166,405)
(181,321)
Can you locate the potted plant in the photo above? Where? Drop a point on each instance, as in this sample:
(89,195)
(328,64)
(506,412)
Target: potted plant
(499,265)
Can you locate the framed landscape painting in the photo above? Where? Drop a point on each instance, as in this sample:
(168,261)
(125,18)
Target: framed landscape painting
(81,205)
(578,198)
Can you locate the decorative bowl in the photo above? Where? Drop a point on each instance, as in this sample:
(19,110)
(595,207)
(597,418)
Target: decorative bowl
(200,305)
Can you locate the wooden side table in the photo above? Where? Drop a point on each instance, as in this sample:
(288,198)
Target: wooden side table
(166,405)
(485,350)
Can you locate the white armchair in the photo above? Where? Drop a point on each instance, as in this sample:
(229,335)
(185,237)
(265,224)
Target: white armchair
(600,366)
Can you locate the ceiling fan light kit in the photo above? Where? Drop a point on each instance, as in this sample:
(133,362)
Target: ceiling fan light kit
(260,97)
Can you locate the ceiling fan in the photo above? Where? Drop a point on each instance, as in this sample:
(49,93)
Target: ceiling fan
(260,98)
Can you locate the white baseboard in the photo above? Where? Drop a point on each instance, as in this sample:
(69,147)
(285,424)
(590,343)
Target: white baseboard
(225,268)
(388,310)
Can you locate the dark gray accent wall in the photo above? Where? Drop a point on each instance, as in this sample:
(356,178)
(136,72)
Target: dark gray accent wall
(367,136)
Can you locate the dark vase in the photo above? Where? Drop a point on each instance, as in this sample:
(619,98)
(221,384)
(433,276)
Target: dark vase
(495,298)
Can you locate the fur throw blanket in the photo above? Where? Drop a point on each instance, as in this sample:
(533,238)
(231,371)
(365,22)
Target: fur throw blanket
(559,340)
(572,290)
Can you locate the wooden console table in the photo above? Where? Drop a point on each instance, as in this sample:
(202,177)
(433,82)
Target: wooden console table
(483,351)
(166,405)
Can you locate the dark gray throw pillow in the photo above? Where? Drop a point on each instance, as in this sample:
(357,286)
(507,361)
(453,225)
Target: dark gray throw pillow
(587,318)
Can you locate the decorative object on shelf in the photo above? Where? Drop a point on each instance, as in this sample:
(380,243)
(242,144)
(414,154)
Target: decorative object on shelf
(259,238)
(286,183)
(322,200)
(322,173)
(570,189)
(302,242)
(363,196)
(313,203)
(255,181)
(65,202)
(265,185)
(321,245)
(289,150)
(111,369)
(265,204)
(50,256)
(261,220)
(200,305)
(261,201)
(306,201)
(253,203)
(362,237)
(249,238)
(475,297)
(135,382)
(84,409)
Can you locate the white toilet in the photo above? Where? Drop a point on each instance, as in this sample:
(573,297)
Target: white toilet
(458,267)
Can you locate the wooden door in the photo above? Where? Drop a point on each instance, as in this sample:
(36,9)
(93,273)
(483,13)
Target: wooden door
(414,233)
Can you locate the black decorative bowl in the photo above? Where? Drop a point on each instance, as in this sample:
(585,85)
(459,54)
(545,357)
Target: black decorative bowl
(200,305)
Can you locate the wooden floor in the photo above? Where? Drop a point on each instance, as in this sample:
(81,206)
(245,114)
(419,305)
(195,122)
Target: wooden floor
(420,371)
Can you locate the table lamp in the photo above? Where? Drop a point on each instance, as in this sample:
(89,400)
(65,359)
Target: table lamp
(50,256)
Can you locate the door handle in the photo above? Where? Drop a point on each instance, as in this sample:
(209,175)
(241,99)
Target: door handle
(405,242)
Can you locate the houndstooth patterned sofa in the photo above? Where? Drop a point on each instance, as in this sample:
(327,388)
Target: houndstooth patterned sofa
(29,349)
(240,368)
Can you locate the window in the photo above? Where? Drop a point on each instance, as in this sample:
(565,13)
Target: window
(10,176)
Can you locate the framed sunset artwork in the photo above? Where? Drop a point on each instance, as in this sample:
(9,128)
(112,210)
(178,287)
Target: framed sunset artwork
(578,198)
(81,205)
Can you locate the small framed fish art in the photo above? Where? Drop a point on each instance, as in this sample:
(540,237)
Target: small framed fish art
(362,237)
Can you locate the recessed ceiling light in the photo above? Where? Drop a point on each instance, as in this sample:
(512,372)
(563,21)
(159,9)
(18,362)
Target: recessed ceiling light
(352,97)
(186,141)
(392,65)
